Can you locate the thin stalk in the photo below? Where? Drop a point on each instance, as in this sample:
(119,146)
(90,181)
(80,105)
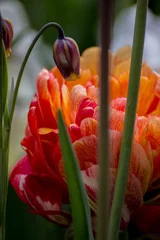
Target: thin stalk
(4,154)
(126,146)
(2,186)
(60,35)
(1,87)
(103,198)
(5,123)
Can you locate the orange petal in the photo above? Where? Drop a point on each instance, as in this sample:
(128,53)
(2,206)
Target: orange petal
(140,165)
(122,55)
(123,80)
(88,127)
(140,129)
(146,70)
(114,87)
(122,60)
(65,104)
(122,68)
(43,131)
(153,133)
(116,120)
(57,74)
(146,95)
(85,76)
(77,94)
(54,90)
(90,59)
(86,151)
(93,93)
(156,77)
(115,144)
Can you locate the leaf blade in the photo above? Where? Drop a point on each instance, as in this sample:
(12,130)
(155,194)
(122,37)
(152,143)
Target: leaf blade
(77,192)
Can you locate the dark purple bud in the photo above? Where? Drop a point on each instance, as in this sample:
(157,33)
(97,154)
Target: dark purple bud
(67,58)
(7,34)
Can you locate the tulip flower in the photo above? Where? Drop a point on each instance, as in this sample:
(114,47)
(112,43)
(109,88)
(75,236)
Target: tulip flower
(39,177)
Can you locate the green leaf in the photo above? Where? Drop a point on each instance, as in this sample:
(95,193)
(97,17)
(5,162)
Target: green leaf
(77,193)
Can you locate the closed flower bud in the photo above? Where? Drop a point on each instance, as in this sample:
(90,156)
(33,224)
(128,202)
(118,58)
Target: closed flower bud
(7,34)
(67,58)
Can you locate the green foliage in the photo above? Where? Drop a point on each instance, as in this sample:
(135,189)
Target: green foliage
(78,197)
(78,18)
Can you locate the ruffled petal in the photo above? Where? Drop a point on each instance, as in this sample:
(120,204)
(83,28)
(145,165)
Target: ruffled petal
(88,127)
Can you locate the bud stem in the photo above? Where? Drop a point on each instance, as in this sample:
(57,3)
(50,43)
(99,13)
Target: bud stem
(6,117)
(60,36)
(3,150)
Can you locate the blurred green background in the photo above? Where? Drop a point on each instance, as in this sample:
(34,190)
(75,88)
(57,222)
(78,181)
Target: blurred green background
(80,20)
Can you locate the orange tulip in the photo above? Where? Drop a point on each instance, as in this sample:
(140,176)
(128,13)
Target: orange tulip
(43,163)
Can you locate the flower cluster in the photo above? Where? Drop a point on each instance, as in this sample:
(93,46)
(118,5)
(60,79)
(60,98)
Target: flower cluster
(39,177)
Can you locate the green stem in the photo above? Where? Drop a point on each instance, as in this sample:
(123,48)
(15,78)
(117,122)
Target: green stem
(4,154)
(3,150)
(1,87)
(126,146)
(60,35)
(6,119)
(103,198)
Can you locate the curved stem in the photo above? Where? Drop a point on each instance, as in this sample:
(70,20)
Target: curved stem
(4,153)
(126,146)
(60,36)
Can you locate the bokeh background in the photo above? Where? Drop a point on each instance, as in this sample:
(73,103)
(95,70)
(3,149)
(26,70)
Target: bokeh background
(80,20)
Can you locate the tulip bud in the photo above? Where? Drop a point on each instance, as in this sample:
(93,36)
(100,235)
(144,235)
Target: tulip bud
(67,58)
(7,34)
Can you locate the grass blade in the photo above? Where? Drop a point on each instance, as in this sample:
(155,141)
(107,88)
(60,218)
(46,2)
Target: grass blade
(78,197)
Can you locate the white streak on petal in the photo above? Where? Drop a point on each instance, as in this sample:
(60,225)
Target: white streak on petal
(47,206)
(21,182)
(89,181)
(125,213)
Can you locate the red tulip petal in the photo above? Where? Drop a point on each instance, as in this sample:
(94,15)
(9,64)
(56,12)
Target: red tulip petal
(42,193)
(84,113)
(74,132)
(147,219)
(18,175)
(44,98)
(119,104)
(133,197)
